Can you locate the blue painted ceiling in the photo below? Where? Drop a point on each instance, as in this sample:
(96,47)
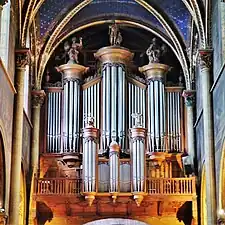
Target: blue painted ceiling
(52,11)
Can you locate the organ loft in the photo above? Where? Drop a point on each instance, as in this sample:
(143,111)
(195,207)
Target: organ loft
(113,135)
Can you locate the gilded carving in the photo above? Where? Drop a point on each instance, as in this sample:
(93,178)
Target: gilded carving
(205,59)
(189,96)
(22,58)
(38,97)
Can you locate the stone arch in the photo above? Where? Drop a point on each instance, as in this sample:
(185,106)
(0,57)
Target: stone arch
(222,180)
(2,173)
(116,221)
(203,198)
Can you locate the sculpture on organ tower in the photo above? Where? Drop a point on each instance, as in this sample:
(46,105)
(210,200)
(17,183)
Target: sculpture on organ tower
(138,119)
(115,36)
(155,51)
(73,50)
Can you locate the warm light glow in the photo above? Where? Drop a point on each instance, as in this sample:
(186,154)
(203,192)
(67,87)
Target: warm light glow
(221,213)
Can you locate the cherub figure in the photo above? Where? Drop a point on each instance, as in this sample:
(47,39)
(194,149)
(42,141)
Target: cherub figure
(115,36)
(73,50)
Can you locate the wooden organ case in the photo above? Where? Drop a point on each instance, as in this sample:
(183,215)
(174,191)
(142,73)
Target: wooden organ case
(113,142)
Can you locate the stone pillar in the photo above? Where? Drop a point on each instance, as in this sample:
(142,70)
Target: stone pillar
(189,100)
(205,56)
(21,62)
(37,101)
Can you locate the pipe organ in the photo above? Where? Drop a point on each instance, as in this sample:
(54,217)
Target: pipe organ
(150,111)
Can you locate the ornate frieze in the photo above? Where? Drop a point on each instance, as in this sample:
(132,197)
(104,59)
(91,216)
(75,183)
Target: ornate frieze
(205,58)
(22,58)
(38,97)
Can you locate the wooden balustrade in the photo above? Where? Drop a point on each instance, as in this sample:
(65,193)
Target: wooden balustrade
(171,186)
(154,186)
(57,186)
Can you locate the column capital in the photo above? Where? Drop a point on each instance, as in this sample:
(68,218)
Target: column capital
(189,96)
(38,97)
(22,57)
(205,58)
(3,2)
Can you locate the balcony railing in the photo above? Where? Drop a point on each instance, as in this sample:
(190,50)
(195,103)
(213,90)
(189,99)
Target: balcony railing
(171,186)
(154,186)
(57,186)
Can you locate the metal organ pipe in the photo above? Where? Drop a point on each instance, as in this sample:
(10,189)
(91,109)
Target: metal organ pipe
(114,149)
(137,146)
(54,122)
(113,62)
(174,120)
(90,143)
(72,77)
(155,75)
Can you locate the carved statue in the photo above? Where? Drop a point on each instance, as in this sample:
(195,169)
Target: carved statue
(73,50)
(154,52)
(115,36)
(138,119)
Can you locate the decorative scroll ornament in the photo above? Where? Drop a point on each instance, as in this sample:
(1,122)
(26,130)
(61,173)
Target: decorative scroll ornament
(115,36)
(22,58)
(155,51)
(38,97)
(138,119)
(205,58)
(73,50)
(189,96)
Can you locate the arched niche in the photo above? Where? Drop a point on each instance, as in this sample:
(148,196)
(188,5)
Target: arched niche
(114,221)
(222,180)
(203,198)
(2,173)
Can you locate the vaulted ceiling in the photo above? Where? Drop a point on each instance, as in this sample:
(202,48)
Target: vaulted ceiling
(173,21)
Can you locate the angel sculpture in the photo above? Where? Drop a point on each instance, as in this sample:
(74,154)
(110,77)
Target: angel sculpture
(115,36)
(154,52)
(73,50)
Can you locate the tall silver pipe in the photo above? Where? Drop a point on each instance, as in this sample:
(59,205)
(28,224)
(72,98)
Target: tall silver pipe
(179,121)
(114,164)
(60,123)
(56,120)
(49,123)
(125,119)
(90,158)
(152,116)
(114,102)
(120,107)
(156,90)
(137,142)
(104,91)
(129,105)
(149,119)
(98,106)
(108,105)
(65,130)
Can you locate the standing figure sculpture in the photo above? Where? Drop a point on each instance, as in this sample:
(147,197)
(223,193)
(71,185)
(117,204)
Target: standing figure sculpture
(73,50)
(154,52)
(115,36)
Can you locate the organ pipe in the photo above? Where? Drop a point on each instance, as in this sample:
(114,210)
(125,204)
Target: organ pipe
(156,129)
(137,146)
(72,77)
(114,167)
(54,122)
(90,143)
(174,120)
(113,63)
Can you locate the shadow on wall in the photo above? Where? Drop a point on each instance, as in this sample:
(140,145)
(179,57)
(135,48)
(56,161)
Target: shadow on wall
(44,213)
(184,213)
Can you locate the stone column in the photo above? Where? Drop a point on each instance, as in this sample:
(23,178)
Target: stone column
(37,101)
(21,62)
(205,56)
(189,100)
